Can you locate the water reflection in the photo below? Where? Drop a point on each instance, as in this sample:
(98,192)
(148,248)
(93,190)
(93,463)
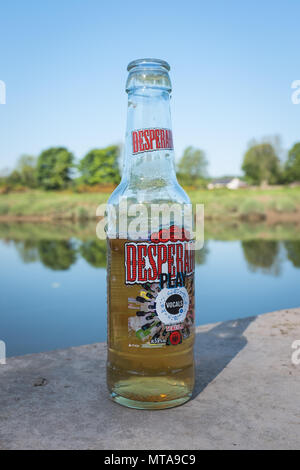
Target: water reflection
(94,252)
(60,255)
(57,255)
(202,255)
(60,276)
(28,250)
(263,256)
(293,252)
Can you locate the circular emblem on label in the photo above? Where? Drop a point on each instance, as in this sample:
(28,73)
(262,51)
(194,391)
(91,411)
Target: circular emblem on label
(175,338)
(172,305)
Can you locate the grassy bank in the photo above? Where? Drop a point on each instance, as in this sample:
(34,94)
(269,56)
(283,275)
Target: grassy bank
(271,205)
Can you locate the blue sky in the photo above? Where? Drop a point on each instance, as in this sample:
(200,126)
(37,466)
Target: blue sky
(64,65)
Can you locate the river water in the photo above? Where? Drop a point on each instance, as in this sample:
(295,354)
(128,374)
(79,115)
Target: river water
(53,282)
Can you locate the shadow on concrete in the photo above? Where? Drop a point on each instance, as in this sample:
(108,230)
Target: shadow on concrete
(214,349)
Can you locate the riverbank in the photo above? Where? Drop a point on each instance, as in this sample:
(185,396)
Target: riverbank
(62,229)
(278,205)
(245,395)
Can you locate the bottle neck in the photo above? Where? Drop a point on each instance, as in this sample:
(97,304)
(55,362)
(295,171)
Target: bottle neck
(149,153)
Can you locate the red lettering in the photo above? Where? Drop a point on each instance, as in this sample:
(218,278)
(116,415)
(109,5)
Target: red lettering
(186,261)
(171,266)
(147,261)
(141,145)
(143,140)
(162,138)
(152,252)
(152,137)
(157,139)
(179,256)
(171,139)
(142,273)
(131,263)
(135,143)
(146,135)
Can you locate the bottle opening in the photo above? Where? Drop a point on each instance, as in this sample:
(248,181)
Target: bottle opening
(148,63)
(145,74)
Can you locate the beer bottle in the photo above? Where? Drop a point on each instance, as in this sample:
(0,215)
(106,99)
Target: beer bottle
(150,276)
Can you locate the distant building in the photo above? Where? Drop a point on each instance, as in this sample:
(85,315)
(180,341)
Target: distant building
(230,183)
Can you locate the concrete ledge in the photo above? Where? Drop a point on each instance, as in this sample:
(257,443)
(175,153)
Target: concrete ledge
(247,396)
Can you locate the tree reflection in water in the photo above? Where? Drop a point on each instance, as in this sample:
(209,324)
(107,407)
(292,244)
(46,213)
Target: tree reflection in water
(262,255)
(58,255)
(293,252)
(94,252)
(201,255)
(28,250)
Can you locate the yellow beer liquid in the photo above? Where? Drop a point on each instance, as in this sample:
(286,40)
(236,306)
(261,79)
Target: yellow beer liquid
(141,375)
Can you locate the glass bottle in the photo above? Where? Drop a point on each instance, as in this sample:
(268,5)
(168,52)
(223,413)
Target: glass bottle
(150,276)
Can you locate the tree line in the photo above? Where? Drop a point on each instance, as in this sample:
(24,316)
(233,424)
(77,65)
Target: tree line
(261,163)
(55,168)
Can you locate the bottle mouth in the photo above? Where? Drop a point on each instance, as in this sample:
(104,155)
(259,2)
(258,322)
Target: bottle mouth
(146,74)
(148,63)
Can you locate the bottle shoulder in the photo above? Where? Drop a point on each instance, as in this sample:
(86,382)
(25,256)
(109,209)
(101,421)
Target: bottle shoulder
(168,194)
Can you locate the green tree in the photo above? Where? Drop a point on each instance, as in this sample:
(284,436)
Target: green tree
(14,178)
(261,164)
(292,166)
(192,166)
(27,168)
(54,168)
(100,166)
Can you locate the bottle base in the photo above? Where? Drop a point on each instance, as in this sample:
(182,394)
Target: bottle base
(144,394)
(150,405)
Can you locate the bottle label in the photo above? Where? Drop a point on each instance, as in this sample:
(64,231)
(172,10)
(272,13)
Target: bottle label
(159,274)
(150,140)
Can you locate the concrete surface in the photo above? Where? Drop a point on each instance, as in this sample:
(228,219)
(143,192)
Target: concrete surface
(247,396)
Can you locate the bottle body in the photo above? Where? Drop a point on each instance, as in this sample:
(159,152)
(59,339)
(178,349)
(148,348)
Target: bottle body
(150,364)
(150,275)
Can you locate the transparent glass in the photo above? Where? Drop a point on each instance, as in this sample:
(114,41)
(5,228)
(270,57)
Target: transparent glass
(149,177)
(144,378)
